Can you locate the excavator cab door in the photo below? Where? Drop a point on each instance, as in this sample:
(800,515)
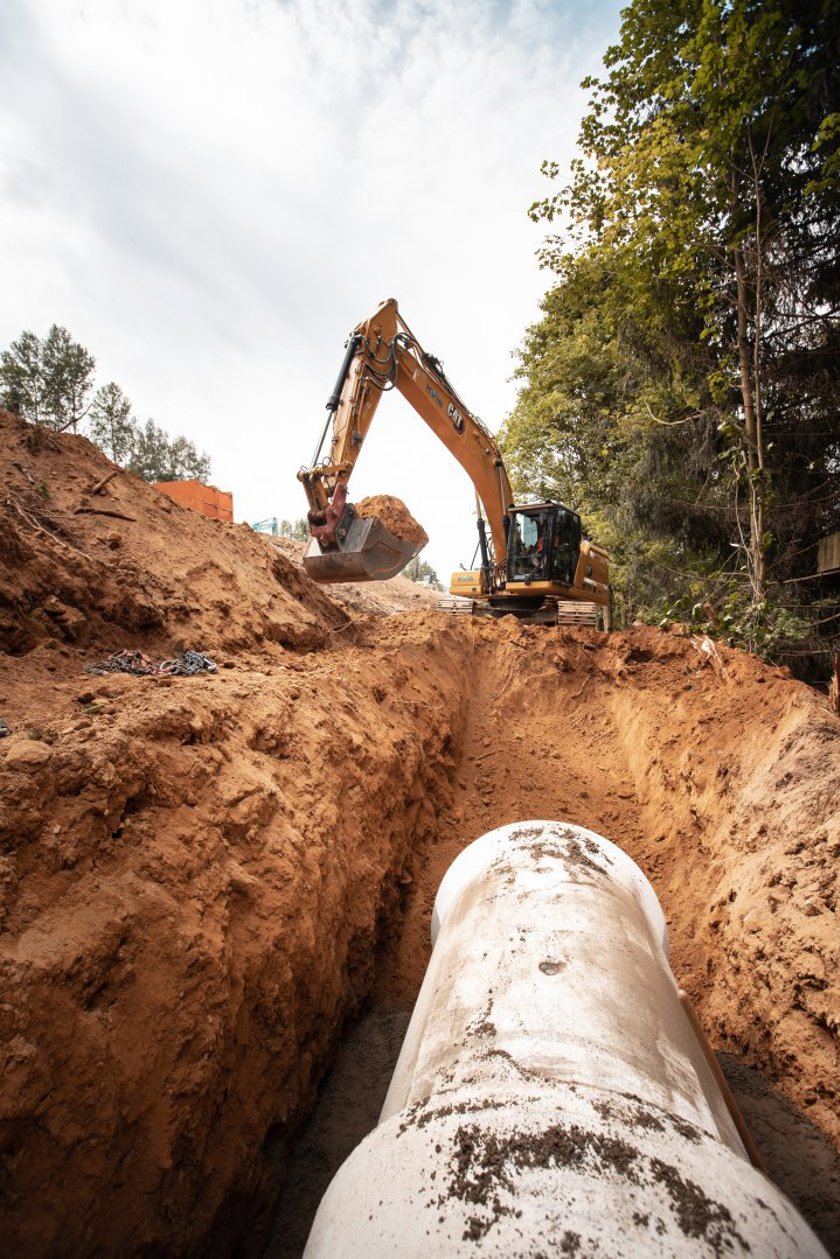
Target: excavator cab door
(528,546)
(543,544)
(566,535)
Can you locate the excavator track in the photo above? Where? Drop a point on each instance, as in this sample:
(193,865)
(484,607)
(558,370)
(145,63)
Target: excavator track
(451,603)
(578,612)
(563,612)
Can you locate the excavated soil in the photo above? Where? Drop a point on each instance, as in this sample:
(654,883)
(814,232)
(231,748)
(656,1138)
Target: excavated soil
(202,878)
(394,515)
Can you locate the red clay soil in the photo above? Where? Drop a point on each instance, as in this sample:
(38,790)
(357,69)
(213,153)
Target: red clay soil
(110,568)
(394,515)
(195,872)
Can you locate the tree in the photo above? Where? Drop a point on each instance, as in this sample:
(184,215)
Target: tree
(157,458)
(686,367)
(20,378)
(420,571)
(67,379)
(112,427)
(185,462)
(47,382)
(297,529)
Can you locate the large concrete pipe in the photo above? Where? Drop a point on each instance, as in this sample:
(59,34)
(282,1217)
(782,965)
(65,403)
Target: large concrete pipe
(551,1096)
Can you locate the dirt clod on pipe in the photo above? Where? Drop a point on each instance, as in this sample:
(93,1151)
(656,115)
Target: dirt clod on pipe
(551,1093)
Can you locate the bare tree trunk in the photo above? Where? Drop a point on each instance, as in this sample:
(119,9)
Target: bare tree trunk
(750,395)
(762,483)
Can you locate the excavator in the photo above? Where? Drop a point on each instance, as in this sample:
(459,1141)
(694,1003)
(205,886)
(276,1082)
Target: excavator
(534,557)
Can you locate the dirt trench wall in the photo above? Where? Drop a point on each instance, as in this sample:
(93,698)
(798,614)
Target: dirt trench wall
(192,886)
(739,809)
(93,557)
(720,776)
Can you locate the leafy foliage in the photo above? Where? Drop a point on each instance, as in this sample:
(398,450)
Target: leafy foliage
(156,457)
(297,529)
(47,382)
(681,387)
(420,571)
(111,426)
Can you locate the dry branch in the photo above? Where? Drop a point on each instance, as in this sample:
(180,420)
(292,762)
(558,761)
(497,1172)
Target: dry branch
(102,511)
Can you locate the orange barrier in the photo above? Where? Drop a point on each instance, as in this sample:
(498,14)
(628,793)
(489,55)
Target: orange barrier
(205,499)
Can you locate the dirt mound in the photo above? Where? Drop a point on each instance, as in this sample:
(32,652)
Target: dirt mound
(196,873)
(394,515)
(92,557)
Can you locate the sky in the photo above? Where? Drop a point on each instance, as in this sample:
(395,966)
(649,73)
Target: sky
(211,194)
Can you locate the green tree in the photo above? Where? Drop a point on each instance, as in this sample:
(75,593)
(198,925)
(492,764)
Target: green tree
(47,382)
(111,426)
(20,378)
(156,457)
(685,372)
(297,529)
(66,378)
(420,571)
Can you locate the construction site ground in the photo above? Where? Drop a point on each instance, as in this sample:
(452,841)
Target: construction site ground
(213,887)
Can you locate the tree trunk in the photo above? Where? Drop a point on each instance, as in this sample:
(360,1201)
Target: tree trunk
(752,421)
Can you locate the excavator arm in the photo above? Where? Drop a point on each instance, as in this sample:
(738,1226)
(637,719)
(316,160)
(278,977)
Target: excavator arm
(384,354)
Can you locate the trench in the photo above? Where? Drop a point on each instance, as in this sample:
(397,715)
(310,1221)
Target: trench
(546,735)
(217,875)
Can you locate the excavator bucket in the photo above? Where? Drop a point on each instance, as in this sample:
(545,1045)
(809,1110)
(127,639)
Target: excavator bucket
(369,552)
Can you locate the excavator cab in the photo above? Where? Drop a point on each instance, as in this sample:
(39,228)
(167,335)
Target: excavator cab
(543,544)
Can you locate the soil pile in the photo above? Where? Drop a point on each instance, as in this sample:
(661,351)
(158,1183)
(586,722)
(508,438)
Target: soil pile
(91,556)
(394,515)
(196,872)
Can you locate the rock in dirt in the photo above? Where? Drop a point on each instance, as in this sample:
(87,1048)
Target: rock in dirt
(394,515)
(26,755)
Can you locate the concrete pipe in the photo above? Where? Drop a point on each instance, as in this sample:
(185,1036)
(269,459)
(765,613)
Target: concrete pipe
(551,1096)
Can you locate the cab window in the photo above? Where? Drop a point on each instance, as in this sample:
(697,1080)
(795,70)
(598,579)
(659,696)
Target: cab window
(565,546)
(529,546)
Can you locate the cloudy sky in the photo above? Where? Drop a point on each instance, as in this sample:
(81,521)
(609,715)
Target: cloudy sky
(210,194)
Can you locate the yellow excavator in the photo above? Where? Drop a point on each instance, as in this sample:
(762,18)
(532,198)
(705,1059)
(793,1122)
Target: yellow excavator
(535,556)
